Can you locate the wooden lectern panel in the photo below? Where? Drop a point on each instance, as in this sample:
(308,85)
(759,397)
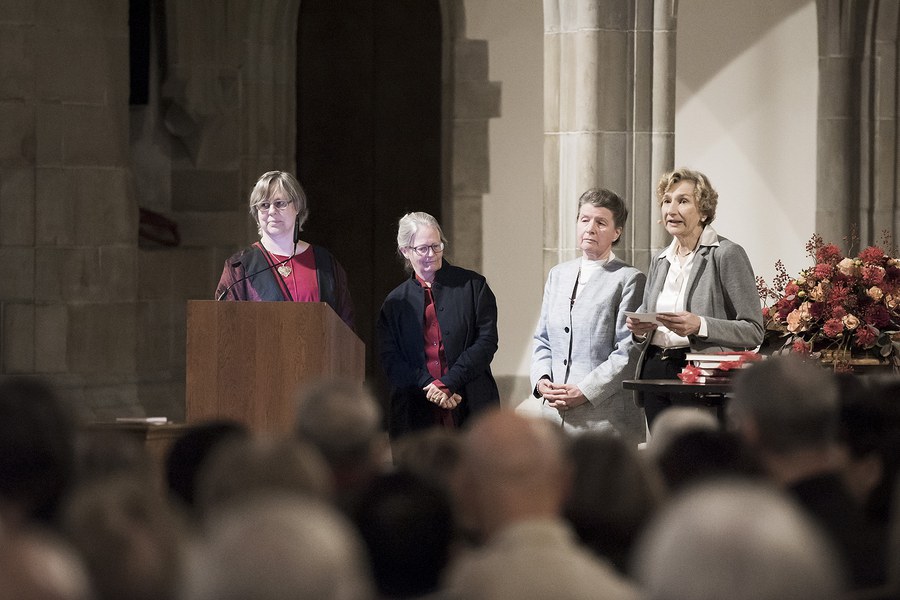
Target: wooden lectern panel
(247,360)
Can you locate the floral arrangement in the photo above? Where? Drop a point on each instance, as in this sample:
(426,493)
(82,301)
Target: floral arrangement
(841,307)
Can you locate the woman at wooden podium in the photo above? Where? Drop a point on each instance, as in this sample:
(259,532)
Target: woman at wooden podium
(280,267)
(437,335)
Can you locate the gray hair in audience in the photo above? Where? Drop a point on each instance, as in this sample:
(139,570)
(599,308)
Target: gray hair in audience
(739,541)
(280,547)
(792,402)
(241,467)
(676,421)
(129,538)
(340,419)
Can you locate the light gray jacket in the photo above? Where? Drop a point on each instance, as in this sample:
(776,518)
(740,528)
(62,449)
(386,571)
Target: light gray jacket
(587,344)
(722,289)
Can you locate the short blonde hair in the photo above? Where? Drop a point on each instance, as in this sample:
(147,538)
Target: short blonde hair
(273,182)
(705,196)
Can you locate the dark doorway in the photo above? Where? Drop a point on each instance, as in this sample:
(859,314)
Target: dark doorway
(368,137)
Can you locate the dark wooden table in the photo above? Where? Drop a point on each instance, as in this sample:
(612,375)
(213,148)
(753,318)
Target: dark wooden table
(701,394)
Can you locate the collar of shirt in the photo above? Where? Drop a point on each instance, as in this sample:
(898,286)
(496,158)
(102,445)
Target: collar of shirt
(708,237)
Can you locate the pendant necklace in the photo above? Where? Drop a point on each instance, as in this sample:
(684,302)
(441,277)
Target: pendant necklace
(284,269)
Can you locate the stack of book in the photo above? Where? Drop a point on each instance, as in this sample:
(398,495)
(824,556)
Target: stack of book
(716,367)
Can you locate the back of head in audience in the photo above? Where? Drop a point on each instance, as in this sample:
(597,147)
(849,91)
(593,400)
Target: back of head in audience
(514,470)
(785,404)
(704,454)
(612,497)
(433,454)
(36,565)
(37,442)
(279,547)
(240,468)
(342,421)
(675,421)
(870,437)
(189,452)
(739,541)
(407,525)
(130,540)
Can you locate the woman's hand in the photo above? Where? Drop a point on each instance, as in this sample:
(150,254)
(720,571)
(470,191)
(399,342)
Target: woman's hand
(440,397)
(681,323)
(561,396)
(640,328)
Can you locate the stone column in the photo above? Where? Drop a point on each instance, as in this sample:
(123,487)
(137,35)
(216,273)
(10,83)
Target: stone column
(842,27)
(879,194)
(608,114)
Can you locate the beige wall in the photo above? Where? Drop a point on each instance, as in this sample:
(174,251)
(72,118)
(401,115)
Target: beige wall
(746,116)
(512,210)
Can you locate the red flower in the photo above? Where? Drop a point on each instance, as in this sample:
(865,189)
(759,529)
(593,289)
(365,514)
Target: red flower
(838,312)
(829,253)
(865,337)
(871,254)
(823,271)
(791,289)
(801,347)
(872,275)
(878,315)
(833,327)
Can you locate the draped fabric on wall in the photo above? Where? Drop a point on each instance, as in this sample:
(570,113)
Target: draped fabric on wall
(857,158)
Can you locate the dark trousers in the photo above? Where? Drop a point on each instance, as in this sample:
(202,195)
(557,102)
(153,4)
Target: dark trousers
(661,363)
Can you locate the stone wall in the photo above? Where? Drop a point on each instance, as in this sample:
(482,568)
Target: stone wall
(68,218)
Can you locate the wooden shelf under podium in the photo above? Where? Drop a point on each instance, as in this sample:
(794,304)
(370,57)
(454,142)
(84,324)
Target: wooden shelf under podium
(246,361)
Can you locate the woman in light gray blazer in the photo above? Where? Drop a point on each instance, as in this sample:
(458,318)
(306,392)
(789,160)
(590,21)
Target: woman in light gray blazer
(702,287)
(582,349)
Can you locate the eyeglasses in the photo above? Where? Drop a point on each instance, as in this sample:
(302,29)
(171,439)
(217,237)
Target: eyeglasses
(423,250)
(278,205)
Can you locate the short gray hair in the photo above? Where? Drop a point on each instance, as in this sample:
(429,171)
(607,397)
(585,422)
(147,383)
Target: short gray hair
(736,540)
(409,225)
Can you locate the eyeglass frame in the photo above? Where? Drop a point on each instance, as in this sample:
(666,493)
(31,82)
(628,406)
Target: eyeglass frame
(272,205)
(435,248)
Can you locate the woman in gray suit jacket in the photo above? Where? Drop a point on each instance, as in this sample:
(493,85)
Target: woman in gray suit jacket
(582,349)
(702,287)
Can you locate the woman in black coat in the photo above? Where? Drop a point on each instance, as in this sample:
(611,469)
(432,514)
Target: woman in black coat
(437,335)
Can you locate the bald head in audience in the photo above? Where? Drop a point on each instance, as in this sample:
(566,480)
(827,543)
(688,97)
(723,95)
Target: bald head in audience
(276,547)
(739,541)
(39,566)
(514,470)
(515,483)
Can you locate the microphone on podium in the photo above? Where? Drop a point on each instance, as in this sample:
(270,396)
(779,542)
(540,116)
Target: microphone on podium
(269,268)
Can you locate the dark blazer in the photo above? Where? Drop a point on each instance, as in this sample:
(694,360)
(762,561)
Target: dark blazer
(266,285)
(467,313)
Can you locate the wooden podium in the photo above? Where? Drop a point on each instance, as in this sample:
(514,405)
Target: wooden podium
(247,360)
